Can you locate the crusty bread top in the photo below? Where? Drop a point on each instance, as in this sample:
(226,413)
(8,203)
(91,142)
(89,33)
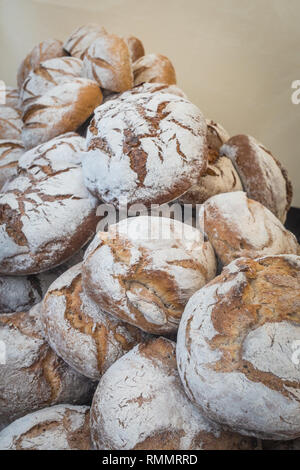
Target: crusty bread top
(235,347)
(154,68)
(238,227)
(47,49)
(263,177)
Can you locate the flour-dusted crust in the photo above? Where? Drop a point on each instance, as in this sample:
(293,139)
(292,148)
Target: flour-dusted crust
(144,270)
(80,40)
(235,347)
(46,213)
(33,376)
(108,62)
(240,227)
(136,48)
(10,152)
(20,293)
(11,97)
(10,123)
(47,75)
(88,339)
(145,147)
(61,109)
(263,177)
(140,404)
(220,175)
(48,49)
(60,427)
(154,68)
(149,88)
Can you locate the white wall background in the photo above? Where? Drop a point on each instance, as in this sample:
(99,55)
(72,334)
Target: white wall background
(236,59)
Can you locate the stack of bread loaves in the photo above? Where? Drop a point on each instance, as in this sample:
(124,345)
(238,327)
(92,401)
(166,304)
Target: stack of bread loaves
(161,334)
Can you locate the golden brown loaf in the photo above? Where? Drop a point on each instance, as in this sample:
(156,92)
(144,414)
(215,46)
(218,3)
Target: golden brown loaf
(47,75)
(136,48)
(140,404)
(80,40)
(154,68)
(263,177)
(235,347)
(144,269)
(237,226)
(61,109)
(60,427)
(88,339)
(45,50)
(108,62)
(33,376)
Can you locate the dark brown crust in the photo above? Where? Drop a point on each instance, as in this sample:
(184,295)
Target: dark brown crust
(247,165)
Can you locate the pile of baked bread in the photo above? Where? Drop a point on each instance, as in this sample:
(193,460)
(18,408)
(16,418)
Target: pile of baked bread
(157,332)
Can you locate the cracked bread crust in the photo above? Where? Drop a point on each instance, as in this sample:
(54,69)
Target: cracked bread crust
(21,293)
(48,49)
(80,40)
(140,404)
(154,68)
(46,213)
(11,97)
(61,109)
(10,152)
(220,175)
(88,339)
(47,75)
(263,177)
(10,123)
(108,62)
(235,347)
(240,227)
(61,427)
(145,147)
(136,48)
(144,269)
(33,376)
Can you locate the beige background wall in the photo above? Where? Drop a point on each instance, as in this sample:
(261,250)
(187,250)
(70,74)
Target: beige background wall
(236,59)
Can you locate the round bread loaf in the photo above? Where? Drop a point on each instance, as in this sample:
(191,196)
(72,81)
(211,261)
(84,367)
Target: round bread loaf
(10,123)
(20,293)
(136,48)
(145,148)
(11,98)
(144,270)
(33,376)
(62,109)
(263,177)
(240,227)
(45,50)
(235,347)
(47,75)
(46,213)
(60,427)
(140,404)
(80,40)
(153,68)
(220,175)
(108,62)
(10,152)
(88,339)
